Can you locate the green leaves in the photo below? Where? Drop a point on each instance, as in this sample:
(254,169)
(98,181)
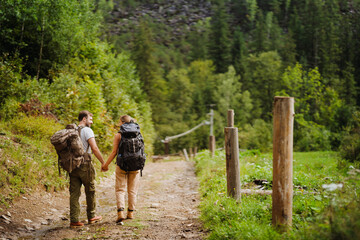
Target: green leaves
(49,30)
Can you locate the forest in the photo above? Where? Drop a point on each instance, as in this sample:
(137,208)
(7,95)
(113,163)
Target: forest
(169,64)
(166,63)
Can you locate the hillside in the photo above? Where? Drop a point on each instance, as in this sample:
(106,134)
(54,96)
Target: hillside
(176,16)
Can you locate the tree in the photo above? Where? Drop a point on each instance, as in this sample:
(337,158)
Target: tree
(180,95)
(228,95)
(47,33)
(238,51)
(329,46)
(288,50)
(259,33)
(201,75)
(199,39)
(262,79)
(219,48)
(149,71)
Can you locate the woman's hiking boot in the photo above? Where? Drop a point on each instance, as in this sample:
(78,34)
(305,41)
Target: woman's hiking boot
(76,224)
(121,215)
(94,219)
(130,214)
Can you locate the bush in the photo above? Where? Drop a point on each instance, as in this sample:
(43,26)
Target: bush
(35,127)
(350,145)
(28,159)
(9,108)
(256,136)
(310,136)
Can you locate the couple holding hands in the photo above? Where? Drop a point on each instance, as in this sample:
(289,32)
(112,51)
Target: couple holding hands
(127,179)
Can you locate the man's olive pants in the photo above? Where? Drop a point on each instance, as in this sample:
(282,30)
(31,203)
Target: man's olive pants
(84,175)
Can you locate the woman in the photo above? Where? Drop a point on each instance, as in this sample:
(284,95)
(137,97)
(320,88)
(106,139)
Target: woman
(124,179)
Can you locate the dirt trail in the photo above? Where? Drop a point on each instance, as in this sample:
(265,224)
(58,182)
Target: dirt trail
(166,209)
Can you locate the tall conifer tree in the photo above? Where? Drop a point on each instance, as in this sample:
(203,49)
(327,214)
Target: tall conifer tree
(149,70)
(219,38)
(238,51)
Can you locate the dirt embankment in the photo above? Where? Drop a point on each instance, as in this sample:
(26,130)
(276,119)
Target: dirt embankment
(167,209)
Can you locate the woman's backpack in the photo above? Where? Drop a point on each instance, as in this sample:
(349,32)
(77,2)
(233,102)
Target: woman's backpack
(69,147)
(131,155)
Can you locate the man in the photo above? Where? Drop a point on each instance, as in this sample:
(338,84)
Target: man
(85,174)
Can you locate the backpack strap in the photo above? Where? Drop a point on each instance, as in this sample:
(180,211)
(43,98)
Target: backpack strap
(79,131)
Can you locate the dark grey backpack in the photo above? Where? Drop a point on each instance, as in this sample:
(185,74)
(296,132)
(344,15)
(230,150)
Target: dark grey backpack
(131,155)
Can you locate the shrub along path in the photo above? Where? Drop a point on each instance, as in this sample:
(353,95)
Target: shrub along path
(167,209)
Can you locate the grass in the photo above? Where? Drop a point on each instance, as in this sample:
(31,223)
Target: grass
(27,158)
(317,213)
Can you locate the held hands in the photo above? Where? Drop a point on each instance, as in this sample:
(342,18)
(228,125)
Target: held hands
(104,168)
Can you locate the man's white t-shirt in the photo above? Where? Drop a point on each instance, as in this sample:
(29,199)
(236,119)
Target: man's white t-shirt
(85,134)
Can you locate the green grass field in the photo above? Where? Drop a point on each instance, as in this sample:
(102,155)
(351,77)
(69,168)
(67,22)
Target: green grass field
(318,213)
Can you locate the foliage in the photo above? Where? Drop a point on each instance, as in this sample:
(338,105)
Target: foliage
(28,160)
(311,136)
(38,127)
(350,145)
(263,81)
(46,32)
(309,50)
(105,84)
(317,119)
(198,39)
(219,48)
(318,212)
(17,87)
(149,71)
(256,136)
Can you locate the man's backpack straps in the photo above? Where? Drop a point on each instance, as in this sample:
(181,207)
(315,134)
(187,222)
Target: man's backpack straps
(86,152)
(79,130)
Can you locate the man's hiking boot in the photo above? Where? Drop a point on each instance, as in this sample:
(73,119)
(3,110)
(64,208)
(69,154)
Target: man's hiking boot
(94,219)
(76,224)
(121,215)
(130,214)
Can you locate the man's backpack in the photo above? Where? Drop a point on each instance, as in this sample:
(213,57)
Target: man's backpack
(131,155)
(69,147)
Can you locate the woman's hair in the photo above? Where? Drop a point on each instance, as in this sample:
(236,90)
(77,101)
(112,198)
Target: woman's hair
(126,119)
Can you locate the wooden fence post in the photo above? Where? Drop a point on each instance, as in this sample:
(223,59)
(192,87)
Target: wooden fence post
(185,154)
(232,162)
(282,189)
(212,145)
(191,153)
(230,118)
(166,145)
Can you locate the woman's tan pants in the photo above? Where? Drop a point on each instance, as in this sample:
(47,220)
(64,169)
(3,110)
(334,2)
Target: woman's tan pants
(129,180)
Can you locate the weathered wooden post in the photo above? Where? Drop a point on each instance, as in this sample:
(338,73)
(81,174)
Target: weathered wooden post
(232,163)
(191,153)
(282,189)
(211,137)
(166,145)
(185,154)
(230,118)
(212,145)
(195,151)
